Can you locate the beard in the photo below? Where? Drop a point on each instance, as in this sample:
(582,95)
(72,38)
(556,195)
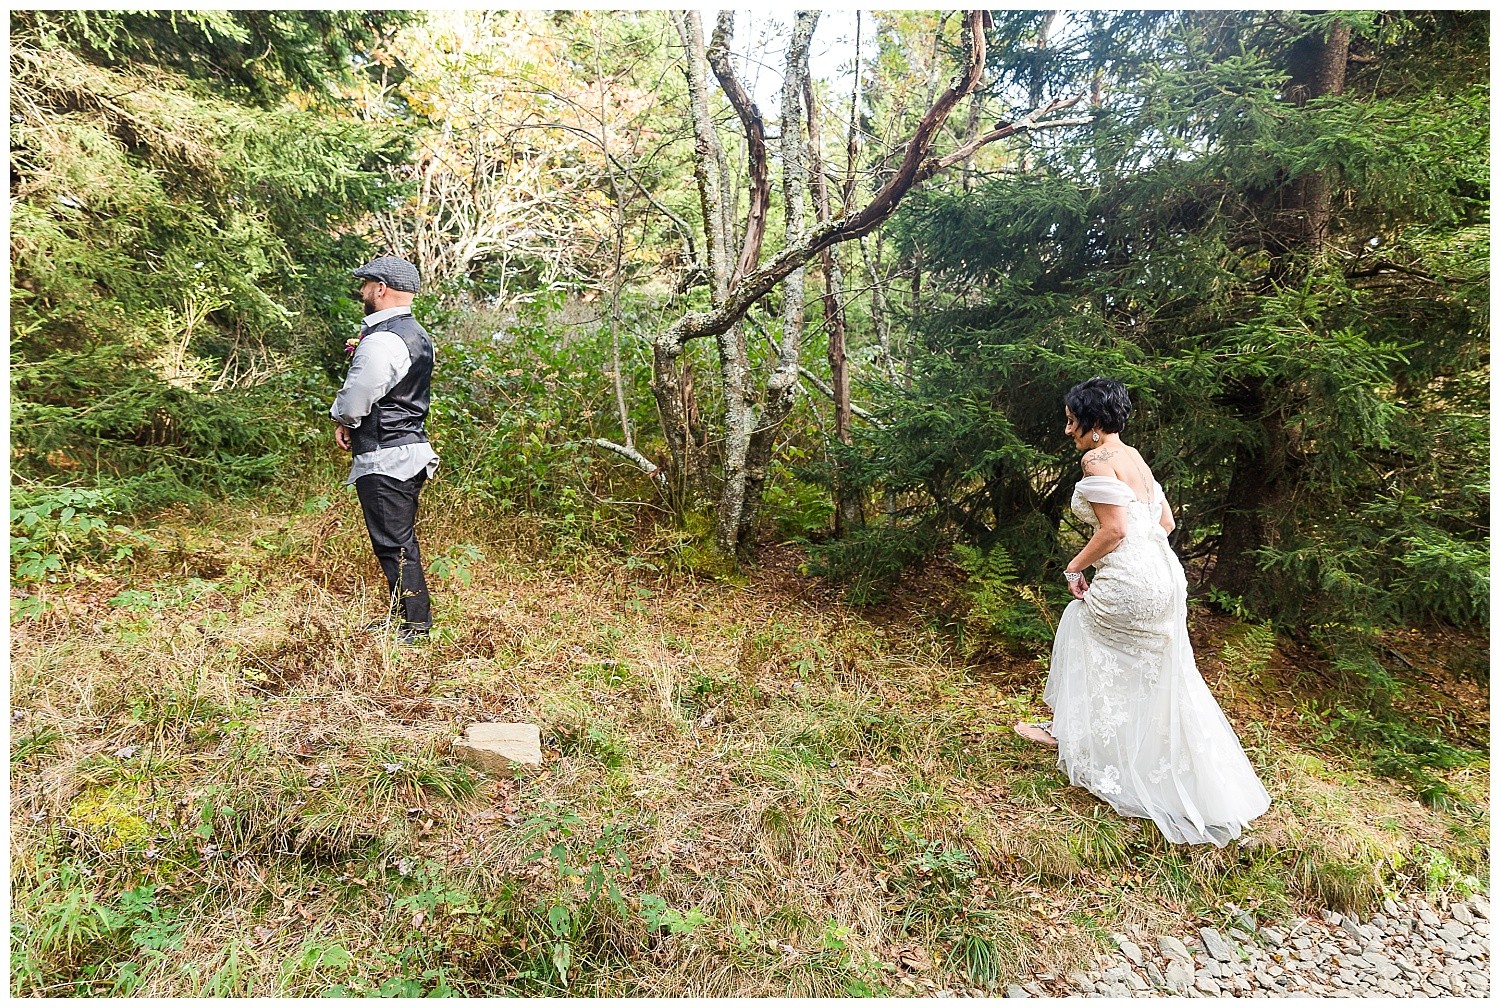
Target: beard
(369,305)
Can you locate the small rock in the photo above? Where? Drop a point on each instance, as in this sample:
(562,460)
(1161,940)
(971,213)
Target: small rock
(1429,918)
(1240,936)
(1173,949)
(1179,973)
(495,746)
(1130,949)
(1333,917)
(1133,979)
(1015,991)
(1217,945)
(1480,905)
(1273,936)
(1207,985)
(1462,914)
(1389,906)
(1153,973)
(1452,932)
(1081,981)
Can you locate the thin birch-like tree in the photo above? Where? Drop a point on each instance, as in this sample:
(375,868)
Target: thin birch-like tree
(737,277)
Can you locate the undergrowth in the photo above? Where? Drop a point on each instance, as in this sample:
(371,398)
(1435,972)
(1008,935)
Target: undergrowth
(221,788)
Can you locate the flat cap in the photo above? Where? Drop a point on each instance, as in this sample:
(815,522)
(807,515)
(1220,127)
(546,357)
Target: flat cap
(394,272)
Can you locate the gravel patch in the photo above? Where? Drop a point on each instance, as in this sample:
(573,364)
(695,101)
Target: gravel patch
(1406,949)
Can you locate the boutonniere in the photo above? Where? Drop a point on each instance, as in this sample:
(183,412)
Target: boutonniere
(351,343)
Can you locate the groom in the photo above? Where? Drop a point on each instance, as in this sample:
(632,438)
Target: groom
(381,413)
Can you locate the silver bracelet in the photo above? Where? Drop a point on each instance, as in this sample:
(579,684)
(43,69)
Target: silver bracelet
(1073,575)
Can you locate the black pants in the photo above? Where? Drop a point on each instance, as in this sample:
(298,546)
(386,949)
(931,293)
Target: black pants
(390,507)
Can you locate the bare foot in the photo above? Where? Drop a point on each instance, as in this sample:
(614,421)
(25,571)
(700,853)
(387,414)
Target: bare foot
(1036,733)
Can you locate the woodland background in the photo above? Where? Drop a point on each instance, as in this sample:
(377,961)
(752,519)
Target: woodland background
(716,332)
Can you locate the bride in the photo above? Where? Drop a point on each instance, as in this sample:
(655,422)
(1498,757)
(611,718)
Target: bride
(1132,719)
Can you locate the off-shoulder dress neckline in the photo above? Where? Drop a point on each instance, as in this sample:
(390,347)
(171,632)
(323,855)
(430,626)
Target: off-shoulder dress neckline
(1134,499)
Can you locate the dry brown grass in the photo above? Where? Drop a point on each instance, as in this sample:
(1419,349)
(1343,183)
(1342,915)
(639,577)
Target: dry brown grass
(836,795)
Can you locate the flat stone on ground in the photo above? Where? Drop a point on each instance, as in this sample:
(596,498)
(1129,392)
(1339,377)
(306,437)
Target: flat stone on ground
(1128,948)
(1179,974)
(1173,948)
(495,746)
(1217,945)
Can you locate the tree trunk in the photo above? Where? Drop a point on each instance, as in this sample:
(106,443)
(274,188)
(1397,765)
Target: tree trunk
(880,319)
(848,511)
(1263,480)
(781,387)
(672,379)
(1317,67)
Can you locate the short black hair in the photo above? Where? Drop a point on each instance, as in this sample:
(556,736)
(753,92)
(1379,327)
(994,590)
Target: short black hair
(1101,403)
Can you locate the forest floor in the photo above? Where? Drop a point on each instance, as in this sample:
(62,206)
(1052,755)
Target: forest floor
(221,787)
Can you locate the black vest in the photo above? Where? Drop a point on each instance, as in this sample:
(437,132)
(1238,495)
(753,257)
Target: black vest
(398,416)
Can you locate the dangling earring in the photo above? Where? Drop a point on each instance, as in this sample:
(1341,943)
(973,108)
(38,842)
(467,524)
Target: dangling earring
(1096,437)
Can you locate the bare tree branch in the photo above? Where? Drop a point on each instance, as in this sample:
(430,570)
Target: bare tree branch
(755,138)
(824,388)
(1028,123)
(657,474)
(757,284)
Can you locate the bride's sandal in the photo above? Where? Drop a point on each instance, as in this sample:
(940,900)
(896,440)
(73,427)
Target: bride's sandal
(1038,732)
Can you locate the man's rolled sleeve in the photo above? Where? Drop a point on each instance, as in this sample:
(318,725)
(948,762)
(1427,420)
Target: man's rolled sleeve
(380,361)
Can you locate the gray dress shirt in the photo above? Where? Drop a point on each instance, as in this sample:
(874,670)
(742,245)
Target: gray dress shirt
(380,361)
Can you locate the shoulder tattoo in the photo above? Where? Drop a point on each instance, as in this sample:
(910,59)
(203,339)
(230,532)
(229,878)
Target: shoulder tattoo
(1094,461)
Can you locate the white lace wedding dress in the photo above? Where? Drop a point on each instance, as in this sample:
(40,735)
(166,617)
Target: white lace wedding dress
(1134,721)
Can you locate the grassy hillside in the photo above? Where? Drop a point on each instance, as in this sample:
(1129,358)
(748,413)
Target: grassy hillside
(220,788)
